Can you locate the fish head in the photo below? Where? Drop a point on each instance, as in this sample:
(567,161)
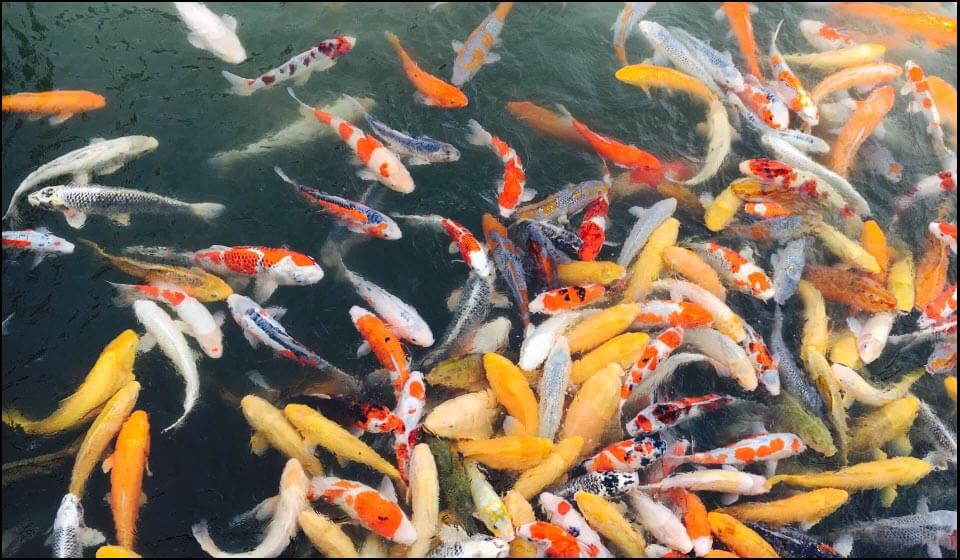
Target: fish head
(870,347)
(241,305)
(302,271)
(337,47)
(232,52)
(48,198)
(70,513)
(422,336)
(448,153)
(389,230)
(293,477)
(211,342)
(139,145)
(62,246)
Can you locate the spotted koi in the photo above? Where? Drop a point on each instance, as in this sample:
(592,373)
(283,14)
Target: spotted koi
(356,217)
(610,484)
(762,360)
(564,515)
(923,102)
(566,201)
(765,447)
(475,52)
(788,86)
(364,504)
(593,230)
(945,232)
(764,103)
(780,176)
(556,301)
(659,416)
(510,191)
(629,455)
(410,407)
(320,57)
(380,163)
(663,313)
(824,37)
(930,186)
(270,267)
(740,273)
(552,541)
(655,352)
(940,310)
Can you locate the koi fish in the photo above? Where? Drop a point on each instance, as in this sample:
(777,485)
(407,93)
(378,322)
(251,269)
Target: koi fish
(552,388)
(544,254)
(60,105)
(626,24)
(411,402)
(764,103)
(402,318)
(553,541)
(868,75)
(384,344)
(565,202)
(939,31)
(609,484)
(283,510)
(70,535)
(659,416)
(544,121)
(126,467)
(793,543)
(940,310)
(739,538)
(869,113)
(100,157)
(489,507)
(322,56)
(779,181)
(738,14)
(196,320)
(656,352)
(766,210)
(609,149)
(840,58)
(508,263)
(356,217)
(210,32)
(923,103)
(431,90)
(42,244)
(764,447)
(476,51)
(510,189)
(945,98)
(788,86)
(456,544)
(562,514)
(740,273)
(472,310)
(724,319)
(593,228)
(461,239)
(564,299)
(852,289)
(930,186)
(380,163)
(666,45)
(629,455)
(364,504)
(878,159)
(763,362)
(727,481)
(872,334)
(933,529)
(717,64)
(421,150)
(943,359)
(662,313)
(945,232)
(101,433)
(260,327)
(269,267)
(662,524)
(562,237)
(824,37)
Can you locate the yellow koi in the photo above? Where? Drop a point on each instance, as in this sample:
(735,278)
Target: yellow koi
(873,475)
(326,536)
(887,424)
(271,428)
(508,453)
(738,537)
(848,250)
(577,273)
(807,509)
(469,416)
(424,499)
(513,391)
(607,519)
(594,406)
(521,513)
(624,349)
(816,326)
(724,207)
(601,327)
(647,266)
(564,455)
(845,57)
(900,282)
(101,434)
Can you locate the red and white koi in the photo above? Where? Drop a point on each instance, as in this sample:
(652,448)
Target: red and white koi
(764,103)
(410,406)
(740,273)
(944,231)
(629,455)
(562,514)
(196,320)
(473,53)
(663,313)
(738,15)
(270,267)
(655,352)
(932,185)
(402,318)
(380,163)
(788,86)
(356,217)
(552,541)
(364,504)
(941,310)
(663,415)
(510,191)
(764,447)
(763,363)
(461,239)
(783,177)
(563,299)
(824,37)
(923,102)
(320,57)
(43,244)
(593,229)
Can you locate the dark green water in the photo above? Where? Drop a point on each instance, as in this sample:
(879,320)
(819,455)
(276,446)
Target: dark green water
(157,84)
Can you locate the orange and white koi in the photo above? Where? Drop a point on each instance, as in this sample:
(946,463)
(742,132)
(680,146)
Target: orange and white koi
(867,75)
(655,352)
(694,515)
(626,25)
(740,273)
(60,105)
(941,310)
(945,232)
(938,30)
(364,504)
(932,185)
(563,514)
(629,455)
(664,313)
(384,344)
(724,319)
(766,210)
(356,217)
(461,239)
(556,301)
(473,53)
(270,267)
(593,229)
(763,362)
(662,415)
(126,467)
(923,103)
(510,191)
(380,163)
(945,97)
(552,541)
(788,86)
(764,103)
(610,149)
(431,90)
(764,447)
(738,14)
(824,37)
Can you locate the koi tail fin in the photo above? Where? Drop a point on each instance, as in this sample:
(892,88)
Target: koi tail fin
(284,177)
(844,544)
(238,84)
(566,114)
(392,38)
(13,418)
(776,33)
(478,136)
(332,259)
(202,534)
(308,111)
(207,210)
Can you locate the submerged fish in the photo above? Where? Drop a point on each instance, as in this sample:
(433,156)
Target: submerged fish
(70,536)
(932,529)
(626,24)
(320,57)
(39,242)
(60,105)
(210,32)
(431,90)
(508,263)
(476,51)
(421,150)
(472,311)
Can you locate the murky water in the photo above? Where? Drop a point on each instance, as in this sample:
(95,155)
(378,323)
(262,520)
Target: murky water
(157,84)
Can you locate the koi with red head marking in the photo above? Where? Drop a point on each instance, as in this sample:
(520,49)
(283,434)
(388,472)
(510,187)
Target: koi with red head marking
(629,455)
(384,344)
(553,541)
(659,416)
(566,298)
(940,310)
(593,229)
(764,447)
(741,274)
(923,103)
(609,149)
(366,505)
(470,249)
(763,362)
(381,164)
(946,232)
(660,313)
(930,186)
(410,406)
(42,242)
(655,352)
(776,176)
(510,191)
(562,514)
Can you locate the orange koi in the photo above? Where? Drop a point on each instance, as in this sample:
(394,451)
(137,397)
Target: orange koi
(384,344)
(867,75)
(855,290)
(864,120)
(931,273)
(610,149)
(566,298)
(694,518)
(655,352)
(510,190)
(629,455)
(593,229)
(940,310)
(553,541)
(945,232)
(61,105)
(431,90)
(661,313)
(945,98)
(738,14)
(939,31)
(126,467)
(545,121)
